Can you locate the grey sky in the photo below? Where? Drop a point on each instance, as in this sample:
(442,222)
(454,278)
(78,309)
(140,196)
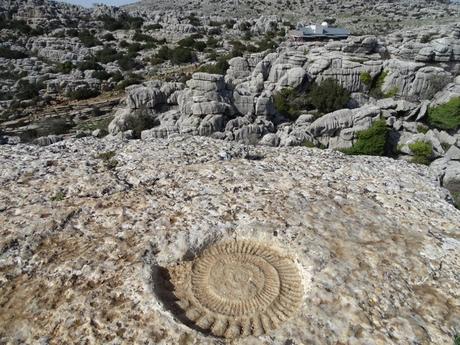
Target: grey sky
(89,3)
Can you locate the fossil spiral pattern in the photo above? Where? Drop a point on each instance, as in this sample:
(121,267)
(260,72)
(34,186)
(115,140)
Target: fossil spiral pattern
(238,288)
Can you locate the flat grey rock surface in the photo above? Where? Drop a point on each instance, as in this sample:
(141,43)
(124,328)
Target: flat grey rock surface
(84,225)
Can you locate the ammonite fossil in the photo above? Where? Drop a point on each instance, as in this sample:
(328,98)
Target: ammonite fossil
(238,288)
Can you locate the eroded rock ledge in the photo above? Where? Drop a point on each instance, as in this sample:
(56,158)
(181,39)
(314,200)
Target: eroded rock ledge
(86,226)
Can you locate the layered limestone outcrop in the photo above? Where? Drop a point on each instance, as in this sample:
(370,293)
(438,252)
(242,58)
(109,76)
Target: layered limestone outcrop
(88,228)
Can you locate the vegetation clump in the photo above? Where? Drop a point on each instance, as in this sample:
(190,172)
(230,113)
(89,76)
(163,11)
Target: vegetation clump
(65,67)
(8,53)
(329,96)
(422,151)
(108,159)
(326,97)
(220,67)
(366,78)
(88,39)
(289,102)
(124,22)
(377,84)
(83,93)
(446,116)
(372,141)
(27,90)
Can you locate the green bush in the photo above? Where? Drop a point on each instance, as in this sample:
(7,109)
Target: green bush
(329,96)
(125,22)
(194,20)
(88,39)
(89,65)
(108,37)
(65,67)
(140,37)
(163,54)
(128,62)
(456,199)
(392,92)
(18,25)
(422,151)
(182,55)
(212,42)
(8,53)
(376,87)
(132,79)
(153,27)
(101,75)
(220,67)
(107,54)
(372,142)
(446,116)
(26,90)
(266,44)
(366,78)
(83,93)
(190,42)
(286,103)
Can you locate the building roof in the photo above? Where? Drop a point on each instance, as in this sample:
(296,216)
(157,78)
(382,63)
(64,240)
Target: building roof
(320,31)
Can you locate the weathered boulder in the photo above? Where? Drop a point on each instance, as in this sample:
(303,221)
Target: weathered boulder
(294,78)
(144,97)
(126,119)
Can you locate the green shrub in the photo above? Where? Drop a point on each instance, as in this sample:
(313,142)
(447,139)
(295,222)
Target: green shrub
(286,104)
(366,78)
(108,159)
(128,62)
(163,54)
(140,37)
(194,20)
(182,55)
(125,22)
(186,42)
(132,79)
(212,42)
(108,37)
(89,65)
(266,44)
(329,96)
(220,67)
(88,39)
(392,92)
(65,67)
(422,128)
(372,141)
(190,42)
(153,27)
(422,151)
(19,25)
(101,75)
(83,93)
(27,90)
(446,116)
(376,87)
(456,198)
(8,53)
(107,54)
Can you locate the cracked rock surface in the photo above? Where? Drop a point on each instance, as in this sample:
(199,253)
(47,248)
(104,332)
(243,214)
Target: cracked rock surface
(86,223)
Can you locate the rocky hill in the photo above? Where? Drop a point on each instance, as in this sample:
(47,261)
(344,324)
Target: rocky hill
(89,225)
(184,172)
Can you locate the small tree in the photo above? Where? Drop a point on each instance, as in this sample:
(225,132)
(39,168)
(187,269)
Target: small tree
(372,142)
(329,96)
(422,151)
(446,116)
(182,55)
